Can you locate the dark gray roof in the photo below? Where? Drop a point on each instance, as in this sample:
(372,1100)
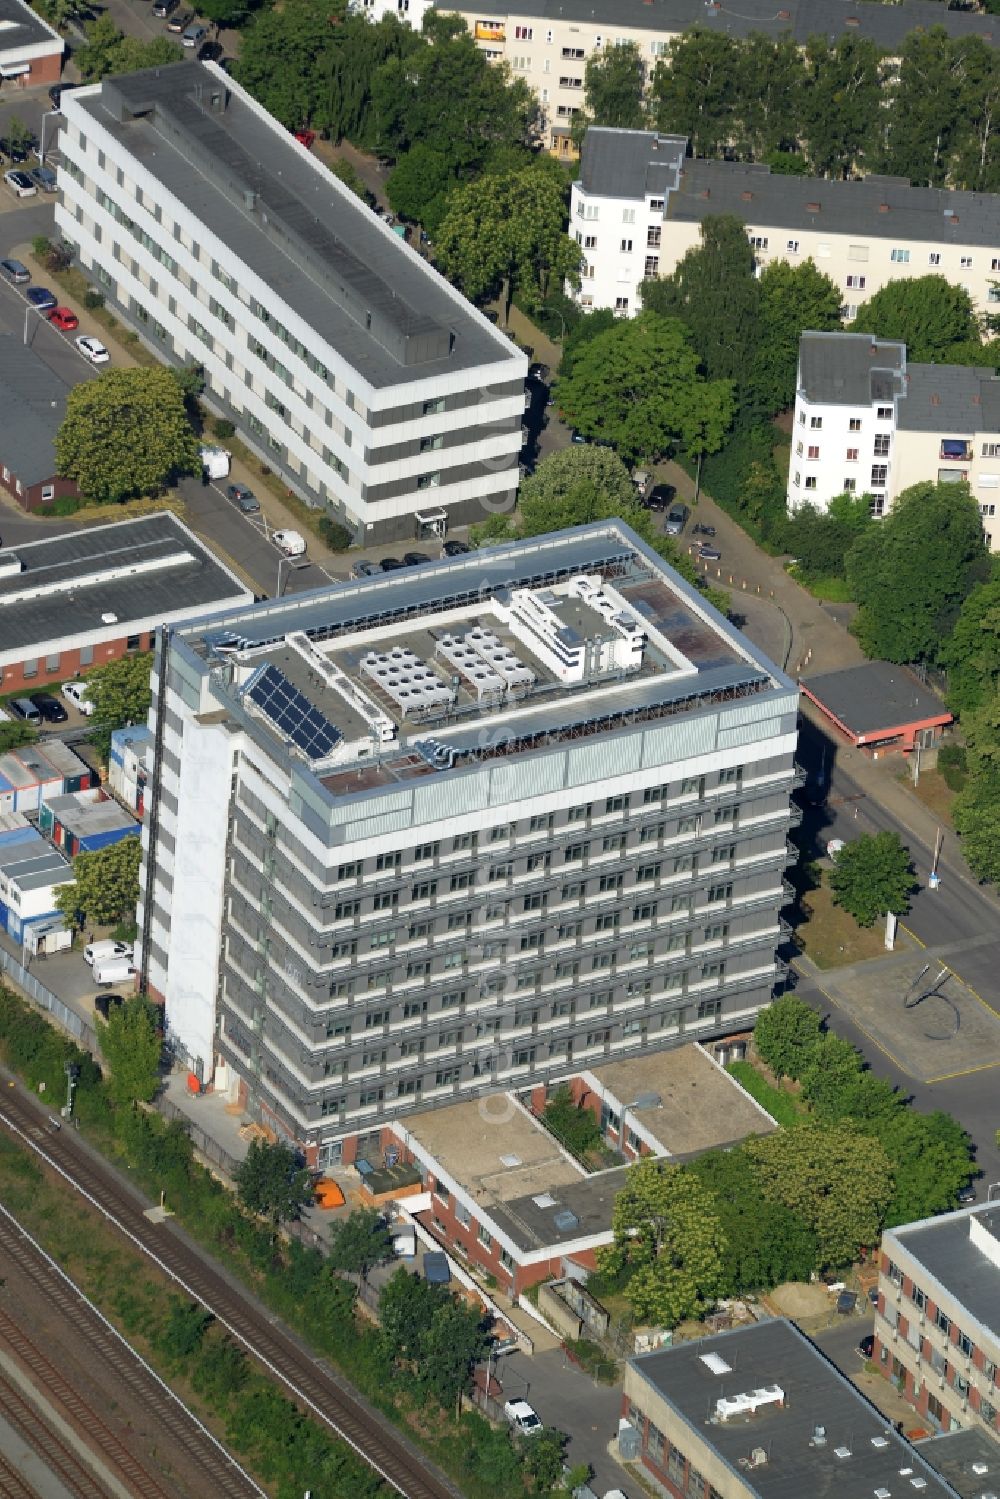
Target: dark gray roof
(317,247)
(861,1454)
(850,369)
(33,401)
(69,604)
(884,24)
(953,1454)
(887,207)
(871,698)
(950,398)
(945,1249)
(20,27)
(630,163)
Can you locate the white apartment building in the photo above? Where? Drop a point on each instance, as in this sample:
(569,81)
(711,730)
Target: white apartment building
(862,234)
(549,42)
(354,370)
(461,829)
(867,422)
(937,1331)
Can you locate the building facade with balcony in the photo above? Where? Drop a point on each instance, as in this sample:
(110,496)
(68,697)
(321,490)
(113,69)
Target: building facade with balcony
(350,366)
(868,422)
(639,203)
(937,1332)
(426,836)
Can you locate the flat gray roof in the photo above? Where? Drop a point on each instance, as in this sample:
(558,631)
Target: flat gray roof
(886,207)
(714,662)
(630,163)
(32,863)
(876,696)
(86,817)
(885,24)
(313,242)
(950,398)
(859,1454)
(153,568)
(850,369)
(33,400)
(957,1454)
(20,27)
(945,1248)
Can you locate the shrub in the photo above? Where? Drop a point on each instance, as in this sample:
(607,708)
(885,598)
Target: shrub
(223,428)
(336,536)
(953,766)
(41,245)
(92,300)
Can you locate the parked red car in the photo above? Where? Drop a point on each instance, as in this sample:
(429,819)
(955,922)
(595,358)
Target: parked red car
(305,138)
(63,319)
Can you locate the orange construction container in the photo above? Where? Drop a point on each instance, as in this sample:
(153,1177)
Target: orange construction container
(328,1194)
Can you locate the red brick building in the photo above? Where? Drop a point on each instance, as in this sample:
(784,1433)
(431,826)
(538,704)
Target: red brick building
(31,52)
(879,708)
(77,600)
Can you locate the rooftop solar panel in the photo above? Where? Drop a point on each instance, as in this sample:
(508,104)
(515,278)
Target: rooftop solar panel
(291,712)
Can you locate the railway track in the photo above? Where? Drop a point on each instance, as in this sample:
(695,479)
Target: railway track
(56,1452)
(12,1483)
(314,1387)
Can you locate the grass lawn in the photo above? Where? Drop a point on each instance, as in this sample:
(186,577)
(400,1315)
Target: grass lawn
(833,590)
(781,1106)
(833,939)
(933,792)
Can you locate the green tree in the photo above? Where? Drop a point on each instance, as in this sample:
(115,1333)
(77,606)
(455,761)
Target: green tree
(418,186)
(976,144)
(271,1182)
(544,1459)
(14,734)
(126,433)
(506,235)
(820,540)
(931,1162)
(837,1180)
(407,1305)
(765,1243)
(121,693)
(911,574)
(972,655)
(181,1336)
(786,1036)
(840,106)
(105,887)
(926,109)
(928,314)
(360,1242)
(450,1348)
(695,89)
(831,1077)
(668,1237)
(575,485)
(872,876)
(715,293)
(792,299)
(614,84)
(132,1045)
(108,51)
(769,83)
(639,386)
(976,815)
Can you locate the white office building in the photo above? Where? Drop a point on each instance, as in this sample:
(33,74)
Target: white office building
(639,204)
(354,370)
(868,422)
(459,829)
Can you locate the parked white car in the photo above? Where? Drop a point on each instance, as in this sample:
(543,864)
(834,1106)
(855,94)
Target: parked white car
(92,349)
(290,542)
(106,951)
(522,1415)
(76,693)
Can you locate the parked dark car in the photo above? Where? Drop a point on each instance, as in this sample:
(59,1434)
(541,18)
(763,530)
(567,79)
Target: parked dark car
(867,1346)
(660,497)
(164,8)
(41,297)
(180,21)
(453,549)
(244,497)
(415,559)
(700,530)
(707,551)
(50,708)
(103,1003)
(391,564)
(364,569)
(210,52)
(967,1195)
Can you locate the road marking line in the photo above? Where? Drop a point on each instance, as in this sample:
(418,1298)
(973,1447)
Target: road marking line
(964,1072)
(958,979)
(873,1039)
(904,928)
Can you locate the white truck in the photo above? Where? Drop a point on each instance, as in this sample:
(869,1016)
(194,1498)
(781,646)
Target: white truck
(215,462)
(113,971)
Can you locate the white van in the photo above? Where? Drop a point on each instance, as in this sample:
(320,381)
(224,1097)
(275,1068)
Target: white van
(292,543)
(76,693)
(113,970)
(215,462)
(108,950)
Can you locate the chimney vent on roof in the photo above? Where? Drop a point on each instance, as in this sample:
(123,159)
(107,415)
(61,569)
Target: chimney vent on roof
(784,15)
(935,399)
(746,196)
(812,208)
(883,208)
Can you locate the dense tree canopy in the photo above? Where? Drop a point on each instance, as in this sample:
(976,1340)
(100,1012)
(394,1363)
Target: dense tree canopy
(106,885)
(132,1045)
(668,1235)
(911,574)
(419,184)
(505,233)
(614,82)
(764,1242)
(639,386)
(108,50)
(575,485)
(126,433)
(787,1035)
(792,298)
(972,655)
(120,692)
(272,1182)
(872,876)
(929,314)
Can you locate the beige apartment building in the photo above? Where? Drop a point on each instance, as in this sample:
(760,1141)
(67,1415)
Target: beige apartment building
(548,42)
